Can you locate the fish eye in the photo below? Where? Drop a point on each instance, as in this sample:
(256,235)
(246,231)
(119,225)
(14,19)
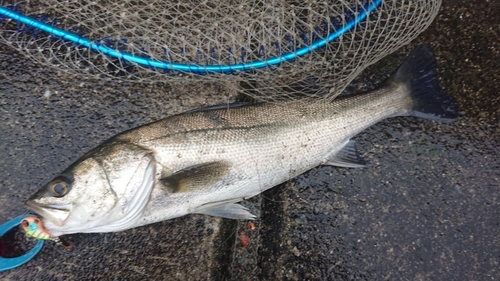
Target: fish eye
(59,188)
(37,221)
(25,223)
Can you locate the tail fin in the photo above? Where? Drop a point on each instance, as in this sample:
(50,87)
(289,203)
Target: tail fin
(418,71)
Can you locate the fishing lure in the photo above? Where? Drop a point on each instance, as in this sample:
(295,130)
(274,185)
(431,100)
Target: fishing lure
(9,263)
(33,227)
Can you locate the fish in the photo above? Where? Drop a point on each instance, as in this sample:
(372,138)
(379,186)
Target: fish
(33,227)
(207,160)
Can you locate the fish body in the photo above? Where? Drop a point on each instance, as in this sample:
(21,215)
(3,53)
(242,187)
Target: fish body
(207,160)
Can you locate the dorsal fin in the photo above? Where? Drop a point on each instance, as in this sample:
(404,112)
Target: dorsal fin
(219,106)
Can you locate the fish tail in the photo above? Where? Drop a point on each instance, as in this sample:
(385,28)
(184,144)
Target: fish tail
(418,72)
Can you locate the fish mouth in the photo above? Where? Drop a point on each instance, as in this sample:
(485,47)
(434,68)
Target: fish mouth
(56,214)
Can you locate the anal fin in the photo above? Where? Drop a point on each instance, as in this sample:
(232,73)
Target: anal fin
(347,157)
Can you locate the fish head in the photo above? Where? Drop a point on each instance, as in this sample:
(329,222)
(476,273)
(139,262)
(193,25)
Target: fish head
(80,194)
(104,191)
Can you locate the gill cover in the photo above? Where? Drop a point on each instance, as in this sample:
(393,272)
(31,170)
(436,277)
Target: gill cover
(130,171)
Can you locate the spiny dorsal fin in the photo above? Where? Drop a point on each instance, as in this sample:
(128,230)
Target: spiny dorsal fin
(348,157)
(196,178)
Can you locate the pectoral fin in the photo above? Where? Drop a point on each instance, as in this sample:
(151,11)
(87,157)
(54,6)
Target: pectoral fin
(230,211)
(348,157)
(195,178)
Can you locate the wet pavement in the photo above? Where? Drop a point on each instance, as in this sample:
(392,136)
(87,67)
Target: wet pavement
(427,208)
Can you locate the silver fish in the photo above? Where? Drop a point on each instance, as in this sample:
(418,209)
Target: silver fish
(207,160)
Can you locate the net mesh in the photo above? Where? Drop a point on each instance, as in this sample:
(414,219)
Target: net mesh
(216,34)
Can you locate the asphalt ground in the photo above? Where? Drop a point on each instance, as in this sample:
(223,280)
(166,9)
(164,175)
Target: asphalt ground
(427,208)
